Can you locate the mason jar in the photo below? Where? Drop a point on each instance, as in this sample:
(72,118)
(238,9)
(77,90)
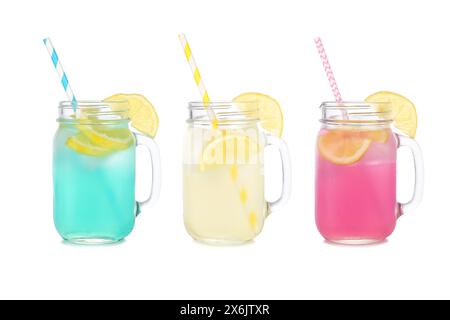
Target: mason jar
(94,155)
(356,173)
(223,173)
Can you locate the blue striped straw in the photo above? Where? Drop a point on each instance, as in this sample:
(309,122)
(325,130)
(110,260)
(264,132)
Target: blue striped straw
(61,74)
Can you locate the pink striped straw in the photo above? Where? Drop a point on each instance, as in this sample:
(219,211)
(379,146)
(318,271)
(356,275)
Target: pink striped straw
(328,71)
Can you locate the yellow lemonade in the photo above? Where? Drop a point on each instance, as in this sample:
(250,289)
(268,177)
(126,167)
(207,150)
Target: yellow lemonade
(225,203)
(223,186)
(224,200)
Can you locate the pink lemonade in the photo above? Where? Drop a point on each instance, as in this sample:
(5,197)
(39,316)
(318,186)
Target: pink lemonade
(356,202)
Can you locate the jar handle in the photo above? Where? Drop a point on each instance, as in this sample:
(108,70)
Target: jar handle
(286,172)
(153,150)
(412,145)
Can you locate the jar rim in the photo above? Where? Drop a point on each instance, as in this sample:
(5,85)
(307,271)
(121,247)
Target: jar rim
(356,113)
(226,112)
(384,105)
(119,105)
(99,111)
(224,104)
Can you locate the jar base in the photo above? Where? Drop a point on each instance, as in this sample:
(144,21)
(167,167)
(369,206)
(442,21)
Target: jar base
(356,242)
(222,242)
(92,241)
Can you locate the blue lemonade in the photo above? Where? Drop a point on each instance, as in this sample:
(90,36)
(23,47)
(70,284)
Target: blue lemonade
(94,181)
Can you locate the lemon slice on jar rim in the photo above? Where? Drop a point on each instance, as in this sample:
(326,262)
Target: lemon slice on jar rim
(141,112)
(269,110)
(403,111)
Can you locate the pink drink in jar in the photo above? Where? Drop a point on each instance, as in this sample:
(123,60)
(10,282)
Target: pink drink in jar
(356,202)
(356,162)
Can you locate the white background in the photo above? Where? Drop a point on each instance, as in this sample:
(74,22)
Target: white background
(132,46)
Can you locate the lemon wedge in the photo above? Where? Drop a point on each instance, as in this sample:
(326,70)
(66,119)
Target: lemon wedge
(342,146)
(402,109)
(141,112)
(81,144)
(229,148)
(109,138)
(269,110)
(99,142)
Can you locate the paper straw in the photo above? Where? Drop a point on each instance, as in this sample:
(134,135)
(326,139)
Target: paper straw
(61,74)
(328,71)
(198,79)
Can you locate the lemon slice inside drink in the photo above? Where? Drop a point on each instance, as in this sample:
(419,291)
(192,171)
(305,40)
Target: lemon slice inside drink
(347,146)
(402,109)
(342,146)
(81,144)
(99,142)
(229,148)
(269,110)
(141,112)
(114,139)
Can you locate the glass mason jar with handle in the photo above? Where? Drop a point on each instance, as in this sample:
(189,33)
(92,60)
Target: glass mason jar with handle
(94,172)
(223,174)
(356,163)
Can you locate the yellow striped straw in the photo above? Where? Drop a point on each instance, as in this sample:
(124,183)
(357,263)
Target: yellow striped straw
(198,80)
